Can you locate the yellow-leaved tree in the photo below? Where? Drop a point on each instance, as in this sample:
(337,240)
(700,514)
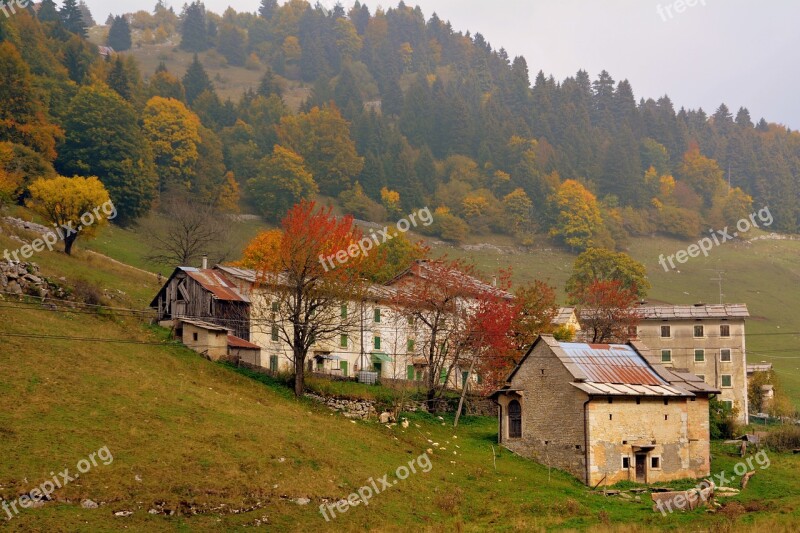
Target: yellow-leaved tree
(579,219)
(75,206)
(173,132)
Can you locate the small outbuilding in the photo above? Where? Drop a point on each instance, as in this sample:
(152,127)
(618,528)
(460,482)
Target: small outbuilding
(605,413)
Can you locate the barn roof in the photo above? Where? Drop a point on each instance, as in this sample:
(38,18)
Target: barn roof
(425,269)
(697,311)
(211,280)
(217,284)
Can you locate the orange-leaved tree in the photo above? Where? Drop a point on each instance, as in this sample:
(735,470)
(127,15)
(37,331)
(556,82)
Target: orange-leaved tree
(306,290)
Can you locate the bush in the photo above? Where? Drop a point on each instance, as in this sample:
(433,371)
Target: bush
(722,419)
(784,439)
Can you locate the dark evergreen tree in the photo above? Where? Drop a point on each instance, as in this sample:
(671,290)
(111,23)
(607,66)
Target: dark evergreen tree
(269,84)
(194,31)
(268,8)
(86,15)
(118,79)
(48,12)
(119,34)
(232,44)
(72,18)
(196,80)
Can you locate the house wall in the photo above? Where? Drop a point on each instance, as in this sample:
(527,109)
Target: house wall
(683,343)
(677,432)
(552,414)
(213,344)
(393,330)
(246,355)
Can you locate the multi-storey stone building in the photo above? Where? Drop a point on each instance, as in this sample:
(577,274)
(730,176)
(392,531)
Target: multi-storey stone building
(706,340)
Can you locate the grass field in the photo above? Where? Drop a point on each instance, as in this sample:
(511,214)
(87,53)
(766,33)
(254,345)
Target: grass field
(220,451)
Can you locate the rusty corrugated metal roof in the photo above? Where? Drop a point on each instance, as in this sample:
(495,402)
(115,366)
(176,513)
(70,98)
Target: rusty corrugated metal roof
(217,284)
(238,342)
(609,363)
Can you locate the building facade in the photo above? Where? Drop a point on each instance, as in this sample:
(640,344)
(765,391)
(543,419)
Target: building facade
(706,340)
(605,413)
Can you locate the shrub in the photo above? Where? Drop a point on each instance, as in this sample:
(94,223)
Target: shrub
(722,419)
(784,439)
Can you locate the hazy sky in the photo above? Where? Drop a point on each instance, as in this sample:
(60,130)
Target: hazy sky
(740,52)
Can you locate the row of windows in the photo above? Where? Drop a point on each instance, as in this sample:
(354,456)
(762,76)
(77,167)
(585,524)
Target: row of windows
(699,355)
(699,331)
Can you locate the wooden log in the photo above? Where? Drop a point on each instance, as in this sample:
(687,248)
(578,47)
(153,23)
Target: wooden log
(746,478)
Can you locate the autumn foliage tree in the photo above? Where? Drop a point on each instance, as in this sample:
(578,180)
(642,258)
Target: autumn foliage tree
(173,132)
(442,297)
(283,181)
(308,294)
(607,310)
(578,220)
(64,202)
(322,137)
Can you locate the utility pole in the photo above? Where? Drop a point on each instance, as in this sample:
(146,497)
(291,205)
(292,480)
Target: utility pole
(719,280)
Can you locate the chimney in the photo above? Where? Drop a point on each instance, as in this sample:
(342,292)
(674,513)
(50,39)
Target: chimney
(205,261)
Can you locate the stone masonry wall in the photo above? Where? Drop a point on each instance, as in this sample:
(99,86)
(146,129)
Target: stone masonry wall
(552,414)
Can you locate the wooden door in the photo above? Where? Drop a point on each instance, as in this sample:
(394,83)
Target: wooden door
(641,462)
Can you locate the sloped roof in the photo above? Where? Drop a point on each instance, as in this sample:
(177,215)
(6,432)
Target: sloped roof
(214,282)
(660,312)
(607,363)
(237,342)
(564,315)
(428,270)
(617,370)
(209,326)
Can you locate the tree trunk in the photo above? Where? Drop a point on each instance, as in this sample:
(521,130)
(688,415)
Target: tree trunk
(299,373)
(69,240)
(464,391)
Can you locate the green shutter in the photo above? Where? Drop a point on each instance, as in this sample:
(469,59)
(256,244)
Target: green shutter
(344,311)
(377,314)
(410,345)
(273,363)
(377,343)
(443,375)
(410,372)
(274,333)
(343,341)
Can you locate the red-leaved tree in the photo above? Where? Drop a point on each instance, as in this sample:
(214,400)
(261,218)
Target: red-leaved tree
(291,267)
(607,310)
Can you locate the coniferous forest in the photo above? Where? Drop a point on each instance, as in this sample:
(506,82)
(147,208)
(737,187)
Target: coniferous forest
(402,111)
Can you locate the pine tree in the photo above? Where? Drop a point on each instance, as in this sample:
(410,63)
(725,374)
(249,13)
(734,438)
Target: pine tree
(269,84)
(232,44)
(194,30)
(268,8)
(72,19)
(48,12)
(118,79)
(119,35)
(86,15)
(195,81)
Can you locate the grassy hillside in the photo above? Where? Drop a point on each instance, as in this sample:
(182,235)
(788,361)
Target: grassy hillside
(219,451)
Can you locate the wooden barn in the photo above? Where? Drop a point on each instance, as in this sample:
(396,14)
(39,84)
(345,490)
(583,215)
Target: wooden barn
(206,295)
